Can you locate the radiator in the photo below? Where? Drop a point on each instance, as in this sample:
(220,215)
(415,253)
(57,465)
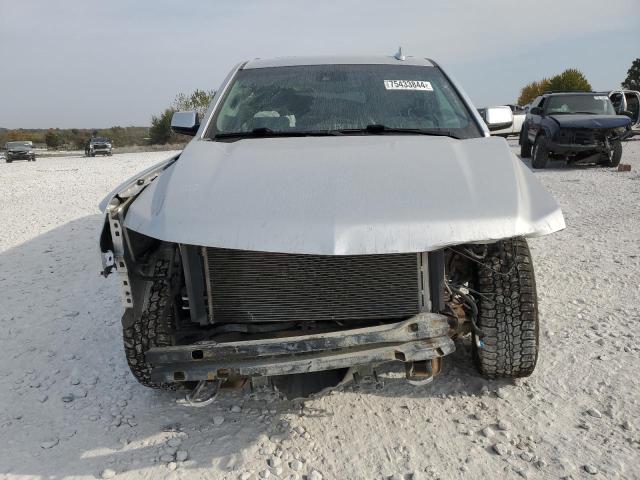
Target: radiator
(249,286)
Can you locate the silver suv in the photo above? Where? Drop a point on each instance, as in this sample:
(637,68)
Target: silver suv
(329,215)
(98,146)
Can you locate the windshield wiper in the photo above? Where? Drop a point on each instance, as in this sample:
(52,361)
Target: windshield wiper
(267,132)
(382,129)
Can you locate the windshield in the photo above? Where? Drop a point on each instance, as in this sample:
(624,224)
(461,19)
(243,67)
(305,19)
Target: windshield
(100,140)
(589,104)
(19,145)
(342,98)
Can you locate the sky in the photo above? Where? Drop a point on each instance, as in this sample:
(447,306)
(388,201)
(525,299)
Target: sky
(97,63)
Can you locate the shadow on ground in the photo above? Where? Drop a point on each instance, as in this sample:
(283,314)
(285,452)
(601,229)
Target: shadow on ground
(63,342)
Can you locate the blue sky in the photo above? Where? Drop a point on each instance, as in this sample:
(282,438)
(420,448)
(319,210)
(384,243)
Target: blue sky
(90,63)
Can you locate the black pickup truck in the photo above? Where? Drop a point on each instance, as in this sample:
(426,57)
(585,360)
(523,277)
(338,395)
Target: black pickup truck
(581,127)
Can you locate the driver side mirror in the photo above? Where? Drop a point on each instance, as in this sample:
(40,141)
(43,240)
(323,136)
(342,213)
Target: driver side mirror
(536,111)
(498,118)
(626,113)
(185,123)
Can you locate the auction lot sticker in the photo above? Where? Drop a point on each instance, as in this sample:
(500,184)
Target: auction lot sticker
(408,85)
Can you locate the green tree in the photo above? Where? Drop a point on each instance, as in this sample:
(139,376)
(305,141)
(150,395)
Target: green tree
(198,100)
(52,139)
(530,91)
(632,82)
(160,131)
(571,80)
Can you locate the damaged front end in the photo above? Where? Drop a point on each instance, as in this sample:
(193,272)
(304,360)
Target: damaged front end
(306,318)
(587,145)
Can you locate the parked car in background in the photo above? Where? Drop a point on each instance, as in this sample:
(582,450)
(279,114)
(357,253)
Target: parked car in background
(581,127)
(519,115)
(331,214)
(98,146)
(19,150)
(627,102)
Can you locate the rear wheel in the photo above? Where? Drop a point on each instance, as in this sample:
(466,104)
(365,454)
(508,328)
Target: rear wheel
(540,153)
(154,328)
(507,311)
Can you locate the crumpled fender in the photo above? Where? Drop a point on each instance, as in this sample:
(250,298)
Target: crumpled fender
(132,185)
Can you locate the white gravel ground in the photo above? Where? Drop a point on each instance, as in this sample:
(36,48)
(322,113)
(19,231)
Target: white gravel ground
(69,407)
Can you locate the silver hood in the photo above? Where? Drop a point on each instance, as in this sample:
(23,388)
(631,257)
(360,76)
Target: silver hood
(344,195)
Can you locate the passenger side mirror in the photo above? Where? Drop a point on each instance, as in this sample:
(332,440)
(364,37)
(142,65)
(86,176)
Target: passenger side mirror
(498,118)
(536,111)
(185,123)
(626,113)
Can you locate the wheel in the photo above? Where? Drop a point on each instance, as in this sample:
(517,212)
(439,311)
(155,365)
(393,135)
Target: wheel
(92,154)
(612,159)
(153,328)
(507,311)
(8,161)
(540,152)
(525,145)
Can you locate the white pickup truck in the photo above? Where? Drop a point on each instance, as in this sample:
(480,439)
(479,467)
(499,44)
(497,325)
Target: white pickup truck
(627,102)
(518,114)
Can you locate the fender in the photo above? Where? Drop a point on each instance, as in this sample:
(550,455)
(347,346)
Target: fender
(115,243)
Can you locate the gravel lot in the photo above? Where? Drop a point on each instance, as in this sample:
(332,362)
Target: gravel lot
(69,407)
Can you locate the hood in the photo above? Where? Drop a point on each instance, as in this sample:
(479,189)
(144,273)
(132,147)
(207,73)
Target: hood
(591,121)
(344,195)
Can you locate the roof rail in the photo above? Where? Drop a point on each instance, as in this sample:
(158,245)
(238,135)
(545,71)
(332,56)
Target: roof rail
(567,91)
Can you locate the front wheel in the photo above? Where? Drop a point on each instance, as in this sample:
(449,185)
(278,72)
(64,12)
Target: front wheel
(525,145)
(540,153)
(613,157)
(507,311)
(154,328)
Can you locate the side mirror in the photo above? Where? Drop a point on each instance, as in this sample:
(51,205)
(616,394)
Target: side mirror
(536,111)
(498,118)
(627,113)
(185,123)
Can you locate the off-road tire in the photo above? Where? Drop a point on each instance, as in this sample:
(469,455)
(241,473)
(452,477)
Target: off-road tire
(540,155)
(7,160)
(507,311)
(613,159)
(525,145)
(153,328)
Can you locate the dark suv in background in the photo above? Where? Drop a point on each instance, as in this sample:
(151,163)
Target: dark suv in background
(581,127)
(21,150)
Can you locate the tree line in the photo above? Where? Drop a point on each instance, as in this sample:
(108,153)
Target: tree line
(76,138)
(160,130)
(573,80)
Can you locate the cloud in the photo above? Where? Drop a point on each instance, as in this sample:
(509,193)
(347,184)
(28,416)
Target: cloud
(86,62)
